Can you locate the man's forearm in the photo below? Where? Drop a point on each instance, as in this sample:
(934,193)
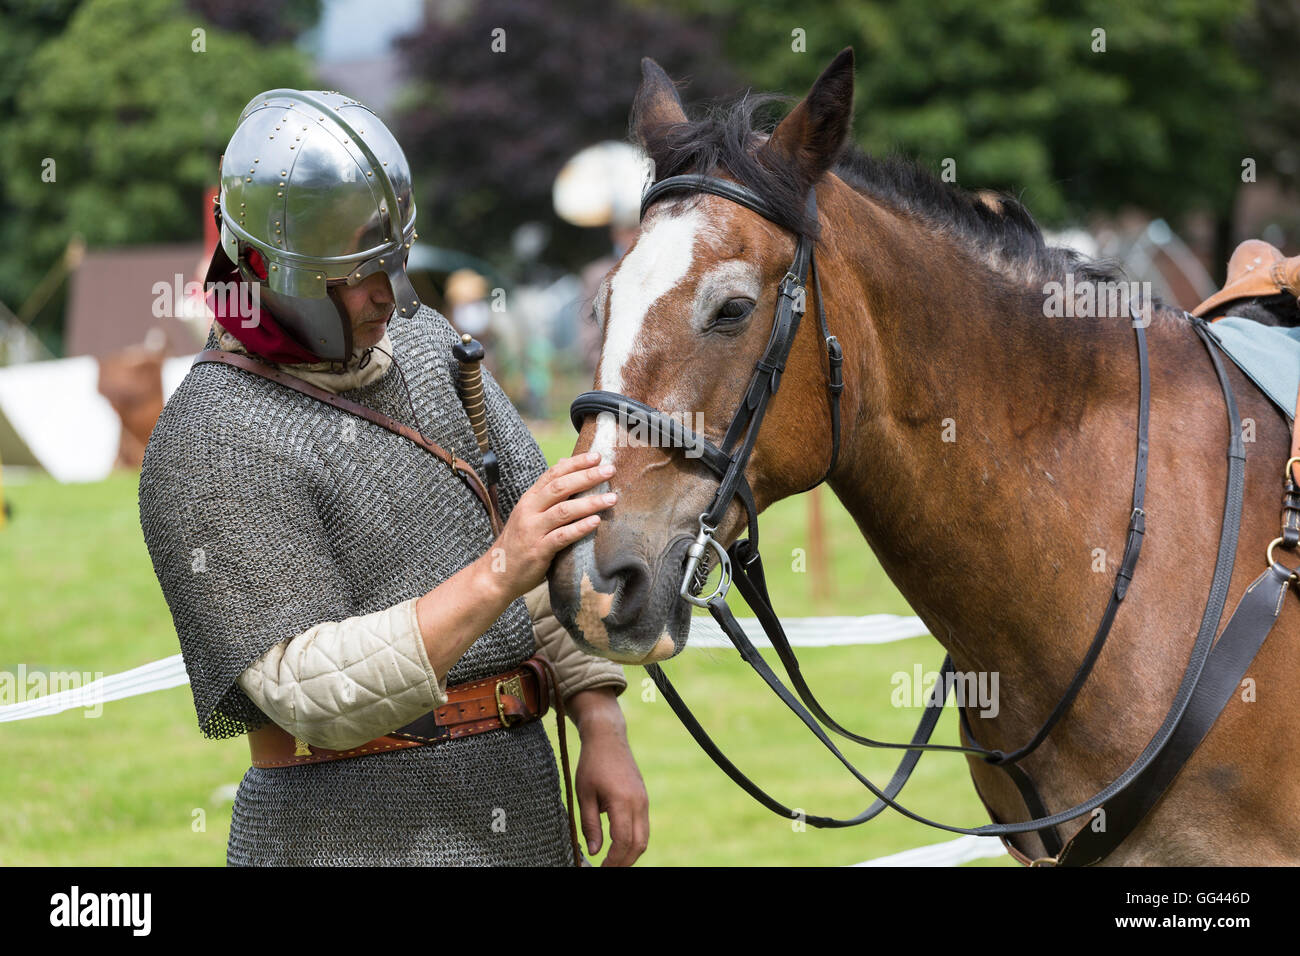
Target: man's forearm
(596,711)
(460,610)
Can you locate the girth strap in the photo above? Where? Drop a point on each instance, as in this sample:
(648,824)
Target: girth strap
(1236,648)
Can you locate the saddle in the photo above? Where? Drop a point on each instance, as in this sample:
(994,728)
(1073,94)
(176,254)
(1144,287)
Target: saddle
(1256,270)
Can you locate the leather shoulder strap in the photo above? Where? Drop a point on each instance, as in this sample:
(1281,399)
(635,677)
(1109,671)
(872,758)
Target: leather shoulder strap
(457,465)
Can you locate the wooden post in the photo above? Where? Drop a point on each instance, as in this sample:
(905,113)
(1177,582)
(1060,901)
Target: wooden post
(817,562)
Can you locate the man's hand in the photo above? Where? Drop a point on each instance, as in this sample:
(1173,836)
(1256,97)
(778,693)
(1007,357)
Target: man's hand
(608,780)
(546,519)
(455,613)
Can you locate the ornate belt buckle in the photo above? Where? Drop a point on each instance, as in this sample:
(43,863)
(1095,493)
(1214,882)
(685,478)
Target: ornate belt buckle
(514,686)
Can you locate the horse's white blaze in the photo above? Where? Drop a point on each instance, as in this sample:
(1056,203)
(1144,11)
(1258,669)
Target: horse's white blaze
(661,258)
(653,267)
(656,264)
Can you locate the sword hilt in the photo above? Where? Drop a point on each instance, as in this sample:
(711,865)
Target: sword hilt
(469,386)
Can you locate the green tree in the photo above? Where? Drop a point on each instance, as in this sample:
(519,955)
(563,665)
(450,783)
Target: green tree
(133,108)
(1022,96)
(503,93)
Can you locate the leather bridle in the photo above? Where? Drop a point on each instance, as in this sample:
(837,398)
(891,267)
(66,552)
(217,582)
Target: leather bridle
(1196,704)
(727,463)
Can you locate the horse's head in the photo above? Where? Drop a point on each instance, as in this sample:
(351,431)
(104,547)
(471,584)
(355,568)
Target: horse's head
(687,312)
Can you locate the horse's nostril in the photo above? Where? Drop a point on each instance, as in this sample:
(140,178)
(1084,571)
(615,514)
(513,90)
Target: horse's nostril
(632,579)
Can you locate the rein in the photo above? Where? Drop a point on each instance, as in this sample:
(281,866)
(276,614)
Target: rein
(1196,704)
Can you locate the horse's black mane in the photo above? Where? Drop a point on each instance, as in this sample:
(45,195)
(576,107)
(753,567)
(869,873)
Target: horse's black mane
(995,228)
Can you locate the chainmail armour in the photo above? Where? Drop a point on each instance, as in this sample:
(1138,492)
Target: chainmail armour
(267,512)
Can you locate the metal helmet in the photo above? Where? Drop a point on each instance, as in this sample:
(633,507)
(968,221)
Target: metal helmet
(316,184)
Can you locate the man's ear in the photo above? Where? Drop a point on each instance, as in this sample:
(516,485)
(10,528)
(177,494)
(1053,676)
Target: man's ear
(657,105)
(811,136)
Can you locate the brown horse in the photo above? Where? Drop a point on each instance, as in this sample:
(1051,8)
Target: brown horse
(987,457)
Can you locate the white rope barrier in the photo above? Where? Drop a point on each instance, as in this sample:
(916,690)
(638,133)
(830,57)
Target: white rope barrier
(170,671)
(159,675)
(953,853)
(814,631)
(803,632)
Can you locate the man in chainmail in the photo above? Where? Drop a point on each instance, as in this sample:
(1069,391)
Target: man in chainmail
(333,581)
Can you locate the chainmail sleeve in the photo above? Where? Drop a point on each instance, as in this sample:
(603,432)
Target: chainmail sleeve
(239,548)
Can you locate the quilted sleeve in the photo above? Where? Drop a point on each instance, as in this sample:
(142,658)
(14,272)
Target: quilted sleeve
(342,683)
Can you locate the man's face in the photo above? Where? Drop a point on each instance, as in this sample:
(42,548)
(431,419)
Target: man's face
(369,305)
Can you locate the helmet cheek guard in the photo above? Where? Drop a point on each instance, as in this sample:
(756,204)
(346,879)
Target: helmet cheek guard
(302,305)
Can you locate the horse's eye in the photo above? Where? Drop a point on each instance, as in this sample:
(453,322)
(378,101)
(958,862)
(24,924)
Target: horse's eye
(734,309)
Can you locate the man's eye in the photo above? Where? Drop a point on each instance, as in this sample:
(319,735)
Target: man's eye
(734,309)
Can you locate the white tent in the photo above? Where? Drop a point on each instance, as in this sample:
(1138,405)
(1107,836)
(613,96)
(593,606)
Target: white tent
(53,417)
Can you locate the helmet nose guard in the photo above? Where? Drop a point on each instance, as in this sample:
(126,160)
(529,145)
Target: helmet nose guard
(316,183)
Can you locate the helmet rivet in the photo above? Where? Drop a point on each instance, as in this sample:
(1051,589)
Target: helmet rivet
(381,262)
(282,182)
(370,172)
(358,275)
(248,179)
(272,136)
(291,147)
(284,172)
(259,160)
(385,162)
(275,268)
(320,277)
(281,193)
(403,311)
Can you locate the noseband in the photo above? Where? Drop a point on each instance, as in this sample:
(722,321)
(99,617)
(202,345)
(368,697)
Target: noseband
(728,464)
(1208,681)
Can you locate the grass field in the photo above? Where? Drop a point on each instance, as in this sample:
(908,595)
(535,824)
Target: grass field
(138,785)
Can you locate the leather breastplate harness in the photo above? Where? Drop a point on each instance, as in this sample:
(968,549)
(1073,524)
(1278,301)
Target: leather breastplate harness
(1212,675)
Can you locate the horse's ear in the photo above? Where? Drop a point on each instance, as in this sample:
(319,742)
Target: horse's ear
(811,136)
(657,105)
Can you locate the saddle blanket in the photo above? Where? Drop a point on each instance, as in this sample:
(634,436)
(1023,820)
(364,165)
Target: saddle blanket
(1268,355)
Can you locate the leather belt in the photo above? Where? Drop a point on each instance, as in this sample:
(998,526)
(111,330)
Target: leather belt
(475,707)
